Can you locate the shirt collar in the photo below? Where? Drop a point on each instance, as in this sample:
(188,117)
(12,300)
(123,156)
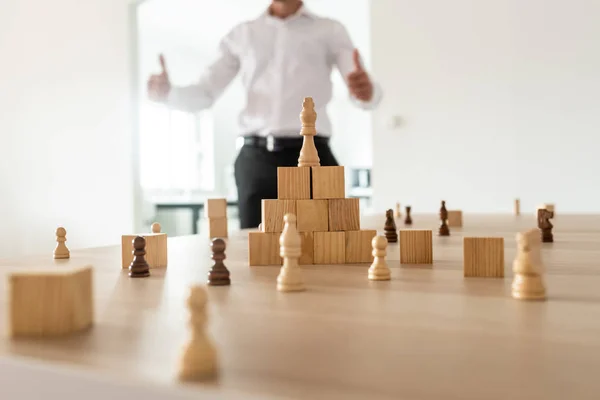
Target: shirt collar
(303,11)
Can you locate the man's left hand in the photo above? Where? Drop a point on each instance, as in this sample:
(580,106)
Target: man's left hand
(359,83)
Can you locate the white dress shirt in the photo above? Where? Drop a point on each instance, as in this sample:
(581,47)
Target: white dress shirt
(281,61)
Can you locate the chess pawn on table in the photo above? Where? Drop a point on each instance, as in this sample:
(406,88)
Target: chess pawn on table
(199,361)
(545,225)
(527,267)
(156,227)
(408,218)
(379,270)
(61,251)
(309,157)
(444,230)
(139,268)
(397,213)
(290,249)
(219,274)
(390,227)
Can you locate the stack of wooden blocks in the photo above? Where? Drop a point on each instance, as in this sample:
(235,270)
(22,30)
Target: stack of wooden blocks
(215,211)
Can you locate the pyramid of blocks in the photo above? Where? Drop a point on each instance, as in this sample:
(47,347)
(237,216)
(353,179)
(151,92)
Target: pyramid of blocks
(328,222)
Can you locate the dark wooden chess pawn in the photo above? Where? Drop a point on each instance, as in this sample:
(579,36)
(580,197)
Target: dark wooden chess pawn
(444,230)
(390,227)
(408,218)
(139,268)
(545,225)
(219,274)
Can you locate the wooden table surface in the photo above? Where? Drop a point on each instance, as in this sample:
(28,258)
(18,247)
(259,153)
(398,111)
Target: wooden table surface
(427,334)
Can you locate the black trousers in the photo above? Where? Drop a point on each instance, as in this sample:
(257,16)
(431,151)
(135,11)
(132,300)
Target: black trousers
(256,177)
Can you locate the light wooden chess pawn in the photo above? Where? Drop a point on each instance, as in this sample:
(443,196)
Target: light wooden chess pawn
(527,267)
(290,249)
(199,361)
(156,227)
(397,212)
(309,157)
(61,251)
(379,270)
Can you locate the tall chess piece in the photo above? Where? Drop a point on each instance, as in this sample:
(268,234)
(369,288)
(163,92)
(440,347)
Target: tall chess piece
(156,227)
(199,361)
(61,251)
(308,154)
(527,267)
(444,230)
(379,270)
(219,274)
(290,249)
(139,268)
(390,227)
(408,218)
(545,225)
(397,213)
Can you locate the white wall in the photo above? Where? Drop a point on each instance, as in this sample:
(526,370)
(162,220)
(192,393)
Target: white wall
(499,100)
(65,124)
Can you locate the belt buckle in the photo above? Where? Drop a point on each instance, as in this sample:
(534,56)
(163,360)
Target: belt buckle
(270,143)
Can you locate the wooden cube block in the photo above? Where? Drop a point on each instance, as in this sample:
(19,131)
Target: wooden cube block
(358,246)
(416,246)
(328,183)
(293,183)
(50,303)
(545,206)
(308,248)
(156,249)
(263,249)
(329,247)
(344,215)
(483,257)
(312,215)
(273,212)
(455,219)
(215,208)
(217,228)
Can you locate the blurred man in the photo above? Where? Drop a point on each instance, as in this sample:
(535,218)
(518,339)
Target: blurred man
(284,55)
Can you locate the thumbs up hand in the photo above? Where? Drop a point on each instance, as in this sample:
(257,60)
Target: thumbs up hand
(159,85)
(359,83)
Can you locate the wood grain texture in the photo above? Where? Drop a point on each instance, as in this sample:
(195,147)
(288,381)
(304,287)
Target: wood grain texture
(263,249)
(328,183)
(312,216)
(156,249)
(308,248)
(215,208)
(329,247)
(483,257)
(358,246)
(427,334)
(455,219)
(416,246)
(293,183)
(273,212)
(218,228)
(344,215)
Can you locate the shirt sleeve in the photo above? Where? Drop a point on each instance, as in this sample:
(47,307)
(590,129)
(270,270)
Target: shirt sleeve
(342,49)
(212,82)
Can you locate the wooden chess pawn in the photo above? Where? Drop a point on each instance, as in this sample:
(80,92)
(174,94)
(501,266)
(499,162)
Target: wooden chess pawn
(379,270)
(527,267)
(390,227)
(290,276)
(408,218)
(444,230)
(156,227)
(139,268)
(199,361)
(219,274)
(397,213)
(545,225)
(309,157)
(61,251)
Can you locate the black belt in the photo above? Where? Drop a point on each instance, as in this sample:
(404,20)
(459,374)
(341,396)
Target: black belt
(273,143)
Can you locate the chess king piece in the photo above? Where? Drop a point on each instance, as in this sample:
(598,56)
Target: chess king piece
(545,225)
(219,274)
(397,213)
(61,251)
(139,268)
(408,218)
(444,230)
(156,227)
(390,227)
(290,249)
(527,267)
(379,270)
(199,361)
(308,154)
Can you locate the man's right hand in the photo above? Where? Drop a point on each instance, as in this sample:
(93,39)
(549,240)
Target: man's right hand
(159,85)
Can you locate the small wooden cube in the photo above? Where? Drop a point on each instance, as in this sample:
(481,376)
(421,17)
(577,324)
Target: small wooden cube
(545,206)
(312,215)
(293,183)
(263,249)
(215,208)
(455,219)
(48,303)
(217,228)
(344,215)
(156,249)
(416,246)
(329,247)
(273,212)
(328,183)
(308,248)
(483,257)
(358,246)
